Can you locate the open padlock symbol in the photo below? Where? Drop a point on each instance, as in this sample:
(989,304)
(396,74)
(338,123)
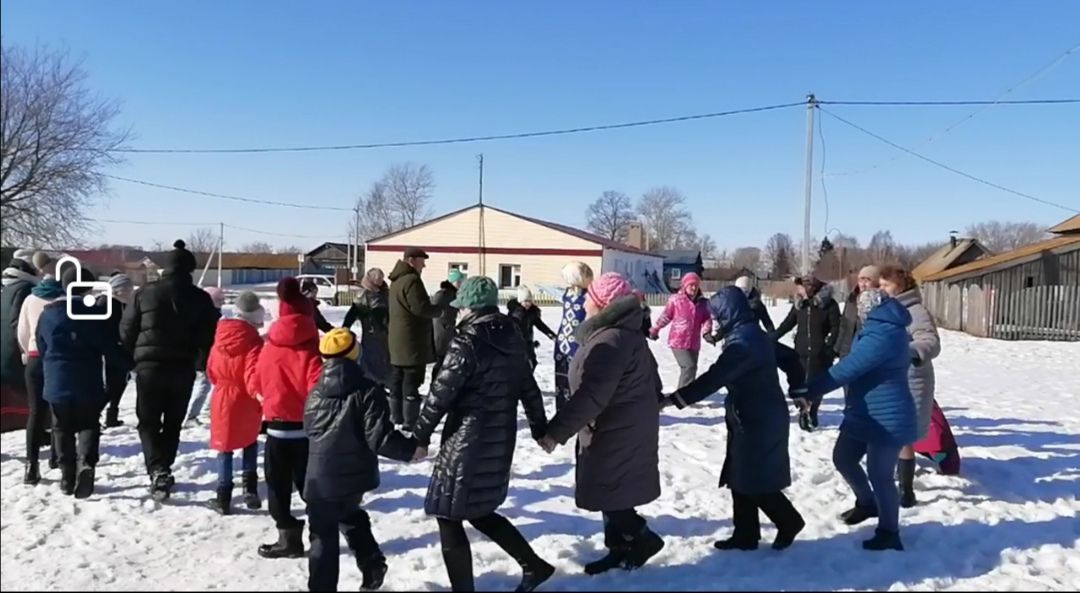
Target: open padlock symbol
(87,299)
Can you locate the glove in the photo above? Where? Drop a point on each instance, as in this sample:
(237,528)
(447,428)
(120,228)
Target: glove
(709,339)
(536,344)
(654,336)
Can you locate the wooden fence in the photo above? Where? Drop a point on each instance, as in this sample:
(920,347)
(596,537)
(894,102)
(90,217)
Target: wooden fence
(1036,313)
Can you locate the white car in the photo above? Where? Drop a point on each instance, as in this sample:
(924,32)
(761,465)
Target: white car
(327,289)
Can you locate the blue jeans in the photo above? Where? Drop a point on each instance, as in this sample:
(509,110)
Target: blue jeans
(880,489)
(250,462)
(199,394)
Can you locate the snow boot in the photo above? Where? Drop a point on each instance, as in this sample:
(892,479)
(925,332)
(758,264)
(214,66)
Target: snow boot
(884,540)
(222,501)
(32,475)
(67,480)
(534,574)
(735,543)
(614,559)
(161,485)
(84,483)
(251,491)
(112,418)
(906,469)
(858,514)
(786,536)
(290,544)
(374,571)
(644,546)
(53,461)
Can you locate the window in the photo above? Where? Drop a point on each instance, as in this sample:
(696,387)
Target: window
(676,273)
(1029,282)
(459,266)
(509,276)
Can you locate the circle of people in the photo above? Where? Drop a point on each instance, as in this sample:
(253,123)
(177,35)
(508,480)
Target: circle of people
(330,406)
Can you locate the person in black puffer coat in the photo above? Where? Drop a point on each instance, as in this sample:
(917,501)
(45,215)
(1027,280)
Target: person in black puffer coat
(372,309)
(116,377)
(169,327)
(19,278)
(528,318)
(753,295)
(445,323)
(484,376)
(816,315)
(347,421)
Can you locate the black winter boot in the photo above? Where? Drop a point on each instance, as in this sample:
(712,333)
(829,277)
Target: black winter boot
(67,480)
(32,475)
(533,574)
(84,483)
(374,571)
(884,540)
(735,543)
(858,514)
(645,545)
(786,536)
(161,485)
(290,544)
(804,422)
(614,559)
(906,469)
(222,501)
(112,418)
(251,491)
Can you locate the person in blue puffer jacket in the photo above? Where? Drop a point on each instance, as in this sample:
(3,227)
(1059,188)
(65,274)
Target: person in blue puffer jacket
(72,353)
(879,414)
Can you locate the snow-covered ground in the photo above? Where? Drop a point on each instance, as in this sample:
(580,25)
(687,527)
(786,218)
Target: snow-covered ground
(1010,522)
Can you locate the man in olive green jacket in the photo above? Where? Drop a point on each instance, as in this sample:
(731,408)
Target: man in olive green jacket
(412,341)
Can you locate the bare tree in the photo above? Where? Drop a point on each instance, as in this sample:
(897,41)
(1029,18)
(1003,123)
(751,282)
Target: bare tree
(666,218)
(780,250)
(882,248)
(1000,236)
(288,249)
(911,256)
(56,136)
(158,245)
(202,240)
(707,245)
(399,200)
(610,215)
(747,257)
(258,247)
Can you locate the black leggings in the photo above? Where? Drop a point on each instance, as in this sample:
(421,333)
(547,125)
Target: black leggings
(458,554)
(40,413)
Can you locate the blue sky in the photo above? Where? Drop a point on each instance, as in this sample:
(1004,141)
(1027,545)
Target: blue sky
(223,74)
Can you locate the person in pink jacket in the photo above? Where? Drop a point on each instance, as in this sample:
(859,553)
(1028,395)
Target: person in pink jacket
(687,312)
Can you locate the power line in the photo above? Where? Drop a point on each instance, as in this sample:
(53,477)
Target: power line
(999,100)
(952,103)
(228,197)
(944,166)
(821,174)
(464,140)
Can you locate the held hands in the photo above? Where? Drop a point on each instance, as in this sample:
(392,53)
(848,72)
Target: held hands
(547,443)
(798,396)
(420,454)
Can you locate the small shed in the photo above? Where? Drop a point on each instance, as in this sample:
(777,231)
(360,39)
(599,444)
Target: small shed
(1030,293)
(328,257)
(956,252)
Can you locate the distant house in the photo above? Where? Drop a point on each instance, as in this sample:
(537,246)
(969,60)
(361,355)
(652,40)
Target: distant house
(678,263)
(236,268)
(955,253)
(1030,293)
(328,257)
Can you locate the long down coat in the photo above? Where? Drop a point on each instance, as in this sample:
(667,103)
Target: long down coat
(925,346)
(483,377)
(372,309)
(756,411)
(235,414)
(615,405)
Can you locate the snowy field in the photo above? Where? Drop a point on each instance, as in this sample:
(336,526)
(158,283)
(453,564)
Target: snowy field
(1008,523)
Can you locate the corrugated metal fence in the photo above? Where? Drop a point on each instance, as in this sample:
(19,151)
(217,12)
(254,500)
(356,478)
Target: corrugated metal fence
(1036,313)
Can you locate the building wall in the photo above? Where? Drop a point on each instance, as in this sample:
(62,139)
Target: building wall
(242,276)
(644,271)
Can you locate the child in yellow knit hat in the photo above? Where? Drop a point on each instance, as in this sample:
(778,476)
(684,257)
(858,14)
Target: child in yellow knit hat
(347,421)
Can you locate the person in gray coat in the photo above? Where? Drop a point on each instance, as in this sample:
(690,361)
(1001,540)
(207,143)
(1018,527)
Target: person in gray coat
(925,347)
(757,467)
(614,409)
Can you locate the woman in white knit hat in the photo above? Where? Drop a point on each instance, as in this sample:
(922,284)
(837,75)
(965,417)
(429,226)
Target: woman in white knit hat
(528,318)
(578,277)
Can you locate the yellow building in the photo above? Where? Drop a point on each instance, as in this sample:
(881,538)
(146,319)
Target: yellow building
(512,250)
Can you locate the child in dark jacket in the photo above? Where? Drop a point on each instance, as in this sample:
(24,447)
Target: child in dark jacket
(72,351)
(528,318)
(347,420)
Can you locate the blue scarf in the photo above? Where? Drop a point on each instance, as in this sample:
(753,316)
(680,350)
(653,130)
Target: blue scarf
(48,289)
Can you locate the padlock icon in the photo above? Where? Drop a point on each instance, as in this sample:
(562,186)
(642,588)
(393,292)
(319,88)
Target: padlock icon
(88,298)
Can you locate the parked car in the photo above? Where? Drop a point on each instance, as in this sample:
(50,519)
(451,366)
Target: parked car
(327,288)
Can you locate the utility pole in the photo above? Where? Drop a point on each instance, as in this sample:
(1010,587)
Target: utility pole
(355,266)
(220,251)
(480,250)
(811,104)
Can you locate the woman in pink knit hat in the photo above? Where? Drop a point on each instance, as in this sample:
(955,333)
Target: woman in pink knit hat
(687,312)
(614,410)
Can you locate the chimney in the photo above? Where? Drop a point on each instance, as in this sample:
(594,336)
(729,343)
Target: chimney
(635,235)
(952,238)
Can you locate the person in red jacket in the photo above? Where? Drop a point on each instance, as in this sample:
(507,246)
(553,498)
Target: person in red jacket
(235,413)
(288,367)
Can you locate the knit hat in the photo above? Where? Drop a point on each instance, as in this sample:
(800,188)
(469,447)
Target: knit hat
(41,260)
(339,342)
(26,255)
(478,292)
(120,283)
(870,272)
(812,285)
(249,309)
(689,279)
(180,260)
(455,276)
(607,288)
(216,295)
(293,302)
(743,283)
(524,295)
(77,274)
(868,301)
(577,274)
